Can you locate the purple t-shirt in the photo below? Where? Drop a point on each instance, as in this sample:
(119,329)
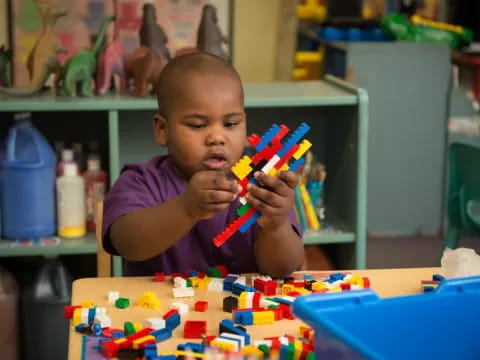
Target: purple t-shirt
(150,184)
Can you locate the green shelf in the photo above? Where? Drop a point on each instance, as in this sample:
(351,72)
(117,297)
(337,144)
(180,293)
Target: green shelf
(84,245)
(328,237)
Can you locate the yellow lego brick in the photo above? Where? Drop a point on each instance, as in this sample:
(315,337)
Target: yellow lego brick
(302,149)
(137,327)
(194,281)
(76,320)
(310,211)
(222,345)
(77,312)
(263,317)
(251,350)
(203,284)
(335,289)
(298,346)
(242,168)
(302,328)
(242,300)
(318,285)
(136,343)
(188,355)
(87,304)
(355,280)
(149,300)
(287,288)
(285,167)
(119,341)
(273,172)
(302,291)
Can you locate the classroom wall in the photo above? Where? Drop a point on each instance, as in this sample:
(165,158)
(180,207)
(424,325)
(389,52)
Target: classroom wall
(255,25)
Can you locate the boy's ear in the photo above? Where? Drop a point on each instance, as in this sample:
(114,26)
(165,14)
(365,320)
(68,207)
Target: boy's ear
(160,130)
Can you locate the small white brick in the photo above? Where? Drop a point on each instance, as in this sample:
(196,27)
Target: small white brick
(215,285)
(355,287)
(104,320)
(235,336)
(179,282)
(241,280)
(181,307)
(183,292)
(113,296)
(156,323)
(270,164)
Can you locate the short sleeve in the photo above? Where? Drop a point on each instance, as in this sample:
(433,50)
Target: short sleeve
(129,193)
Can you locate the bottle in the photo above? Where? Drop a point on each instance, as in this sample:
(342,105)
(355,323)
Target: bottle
(79,156)
(71,202)
(95,188)
(67,157)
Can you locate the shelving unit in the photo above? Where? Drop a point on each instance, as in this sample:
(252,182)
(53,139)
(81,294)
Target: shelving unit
(337,112)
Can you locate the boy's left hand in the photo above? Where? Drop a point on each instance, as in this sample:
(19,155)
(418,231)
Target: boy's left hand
(275,199)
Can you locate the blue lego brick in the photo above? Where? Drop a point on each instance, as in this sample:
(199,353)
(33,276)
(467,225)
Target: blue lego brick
(294,166)
(244,317)
(228,284)
(269,135)
(150,350)
(337,276)
(81,327)
(97,329)
(91,315)
(237,289)
(161,334)
(197,348)
(118,334)
(227,323)
(164,357)
(293,139)
(246,225)
(428,289)
(172,322)
(307,277)
(438,277)
(282,301)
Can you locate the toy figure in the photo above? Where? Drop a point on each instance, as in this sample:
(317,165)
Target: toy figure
(151,34)
(209,37)
(42,60)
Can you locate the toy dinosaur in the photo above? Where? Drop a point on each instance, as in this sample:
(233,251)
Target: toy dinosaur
(5,57)
(111,62)
(144,65)
(79,69)
(151,34)
(209,36)
(42,60)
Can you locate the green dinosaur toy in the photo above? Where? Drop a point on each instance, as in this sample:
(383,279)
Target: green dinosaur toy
(80,68)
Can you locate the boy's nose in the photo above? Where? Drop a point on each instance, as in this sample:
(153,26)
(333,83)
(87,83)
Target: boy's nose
(215,137)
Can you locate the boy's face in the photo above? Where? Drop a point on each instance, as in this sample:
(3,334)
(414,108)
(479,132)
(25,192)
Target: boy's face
(204,126)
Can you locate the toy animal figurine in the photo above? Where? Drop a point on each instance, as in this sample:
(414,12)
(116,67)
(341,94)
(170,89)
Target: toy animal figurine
(79,69)
(144,65)
(111,61)
(42,60)
(5,57)
(151,34)
(209,36)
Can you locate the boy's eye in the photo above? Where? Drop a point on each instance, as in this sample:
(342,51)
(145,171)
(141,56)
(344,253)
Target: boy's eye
(231,124)
(196,126)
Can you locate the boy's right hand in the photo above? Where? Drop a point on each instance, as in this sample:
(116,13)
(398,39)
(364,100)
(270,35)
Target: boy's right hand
(208,193)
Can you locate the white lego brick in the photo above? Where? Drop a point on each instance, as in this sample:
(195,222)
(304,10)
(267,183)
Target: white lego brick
(249,299)
(265,303)
(242,200)
(241,280)
(233,275)
(179,282)
(283,340)
(270,164)
(239,338)
(235,343)
(104,320)
(347,277)
(181,307)
(100,310)
(183,292)
(215,285)
(113,296)
(356,287)
(156,323)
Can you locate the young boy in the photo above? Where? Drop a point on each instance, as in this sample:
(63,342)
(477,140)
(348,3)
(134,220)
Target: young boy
(162,216)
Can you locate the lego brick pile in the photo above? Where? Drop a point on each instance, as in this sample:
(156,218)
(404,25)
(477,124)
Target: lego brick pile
(254,300)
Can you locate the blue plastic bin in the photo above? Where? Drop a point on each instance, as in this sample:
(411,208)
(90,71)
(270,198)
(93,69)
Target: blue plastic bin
(444,324)
(28,184)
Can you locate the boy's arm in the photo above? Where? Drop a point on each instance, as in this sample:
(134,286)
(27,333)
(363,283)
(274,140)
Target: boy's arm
(278,249)
(145,233)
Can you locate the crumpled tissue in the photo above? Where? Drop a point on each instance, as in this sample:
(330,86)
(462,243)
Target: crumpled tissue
(461,262)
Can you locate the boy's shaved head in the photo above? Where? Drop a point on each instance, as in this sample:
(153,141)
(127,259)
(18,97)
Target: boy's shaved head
(174,77)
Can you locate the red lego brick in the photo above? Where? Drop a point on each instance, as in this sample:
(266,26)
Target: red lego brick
(150,341)
(201,275)
(366,282)
(345,286)
(174,275)
(256,300)
(208,339)
(232,228)
(169,313)
(109,349)
(108,332)
(68,310)
(201,306)
(159,277)
(278,313)
(259,284)
(140,334)
(254,140)
(286,157)
(266,154)
(287,312)
(127,344)
(194,329)
(243,183)
(283,131)
(223,270)
(294,294)
(270,288)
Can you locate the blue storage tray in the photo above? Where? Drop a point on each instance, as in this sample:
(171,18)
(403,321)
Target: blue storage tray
(444,324)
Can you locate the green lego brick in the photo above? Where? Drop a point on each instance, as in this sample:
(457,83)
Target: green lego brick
(243,209)
(122,303)
(189,283)
(266,350)
(214,272)
(310,355)
(129,328)
(290,351)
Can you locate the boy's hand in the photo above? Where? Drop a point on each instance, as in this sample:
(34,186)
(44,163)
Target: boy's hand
(208,193)
(275,199)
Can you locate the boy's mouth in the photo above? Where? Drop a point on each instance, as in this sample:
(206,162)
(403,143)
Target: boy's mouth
(215,160)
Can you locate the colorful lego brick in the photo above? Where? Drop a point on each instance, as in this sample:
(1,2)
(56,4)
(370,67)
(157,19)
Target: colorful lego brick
(232,228)
(294,166)
(242,168)
(156,323)
(122,303)
(137,326)
(294,138)
(230,303)
(250,221)
(223,270)
(194,329)
(254,140)
(228,284)
(243,317)
(304,146)
(147,339)
(162,334)
(150,350)
(285,158)
(159,277)
(68,310)
(109,349)
(189,346)
(87,304)
(149,300)
(238,288)
(194,280)
(201,306)
(214,272)
(225,344)
(268,137)
(263,317)
(227,326)
(128,328)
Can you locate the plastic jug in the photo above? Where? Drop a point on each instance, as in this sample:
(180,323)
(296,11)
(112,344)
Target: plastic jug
(9,315)
(28,184)
(45,330)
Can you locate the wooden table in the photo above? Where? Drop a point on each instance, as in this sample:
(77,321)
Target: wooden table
(385,282)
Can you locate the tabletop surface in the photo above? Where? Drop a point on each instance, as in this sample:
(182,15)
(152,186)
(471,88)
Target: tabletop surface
(385,282)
